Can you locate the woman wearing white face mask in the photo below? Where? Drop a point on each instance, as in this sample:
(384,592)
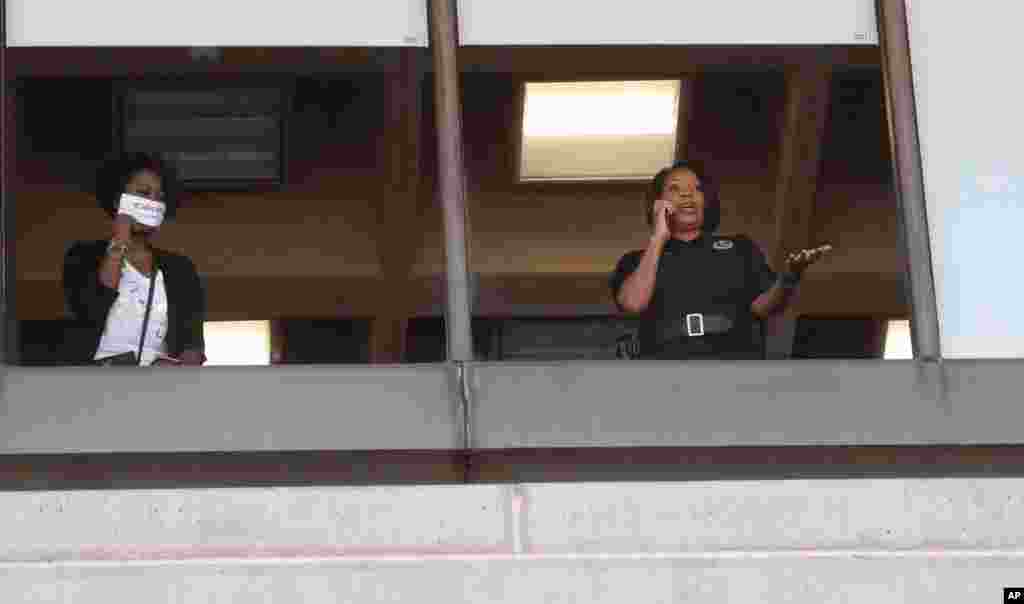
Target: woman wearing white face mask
(138,305)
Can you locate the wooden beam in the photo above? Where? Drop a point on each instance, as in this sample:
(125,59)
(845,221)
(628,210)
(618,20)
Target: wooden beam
(560,61)
(387,339)
(142,62)
(803,129)
(9,183)
(863,293)
(574,62)
(278,342)
(399,235)
(684,146)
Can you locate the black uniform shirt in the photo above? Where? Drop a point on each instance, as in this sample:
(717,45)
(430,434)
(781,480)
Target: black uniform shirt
(710,275)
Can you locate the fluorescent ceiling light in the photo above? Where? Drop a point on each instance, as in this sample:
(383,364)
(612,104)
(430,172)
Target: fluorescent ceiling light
(598,130)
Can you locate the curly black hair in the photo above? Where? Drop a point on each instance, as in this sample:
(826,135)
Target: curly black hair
(114,174)
(712,203)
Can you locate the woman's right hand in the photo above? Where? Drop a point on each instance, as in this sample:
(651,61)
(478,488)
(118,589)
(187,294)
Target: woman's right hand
(662,210)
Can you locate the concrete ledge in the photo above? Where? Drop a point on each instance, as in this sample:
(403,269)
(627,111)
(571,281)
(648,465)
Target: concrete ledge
(252,523)
(294,408)
(843,541)
(895,515)
(538,405)
(884,514)
(794,579)
(752,403)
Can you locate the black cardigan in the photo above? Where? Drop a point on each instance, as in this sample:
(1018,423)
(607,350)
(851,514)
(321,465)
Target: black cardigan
(90,300)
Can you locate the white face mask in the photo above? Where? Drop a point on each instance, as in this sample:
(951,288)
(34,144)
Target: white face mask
(144,211)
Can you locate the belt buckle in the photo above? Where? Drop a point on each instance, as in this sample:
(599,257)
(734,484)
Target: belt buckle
(695,324)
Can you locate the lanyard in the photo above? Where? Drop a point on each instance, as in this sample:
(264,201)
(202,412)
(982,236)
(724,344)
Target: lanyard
(149,306)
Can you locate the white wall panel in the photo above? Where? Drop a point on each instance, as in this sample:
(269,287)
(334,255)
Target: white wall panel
(965,58)
(527,22)
(215,23)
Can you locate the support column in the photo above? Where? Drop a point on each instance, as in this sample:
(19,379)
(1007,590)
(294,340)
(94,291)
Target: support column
(902,114)
(458,311)
(398,230)
(807,103)
(8,185)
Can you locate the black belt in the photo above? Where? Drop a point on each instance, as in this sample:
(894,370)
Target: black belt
(693,325)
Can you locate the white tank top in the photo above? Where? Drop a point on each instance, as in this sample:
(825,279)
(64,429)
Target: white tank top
(124,323)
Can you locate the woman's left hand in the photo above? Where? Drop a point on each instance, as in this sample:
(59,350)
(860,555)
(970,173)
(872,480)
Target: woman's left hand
(797,262)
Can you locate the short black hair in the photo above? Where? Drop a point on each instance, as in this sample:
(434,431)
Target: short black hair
(113,176)
(712,203)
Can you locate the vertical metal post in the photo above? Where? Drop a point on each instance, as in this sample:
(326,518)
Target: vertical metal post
(443,42)
(909,176)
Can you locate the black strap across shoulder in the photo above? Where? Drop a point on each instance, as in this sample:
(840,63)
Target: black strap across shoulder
(149,306)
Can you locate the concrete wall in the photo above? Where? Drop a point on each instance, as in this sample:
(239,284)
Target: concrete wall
(973,173)
(884,541)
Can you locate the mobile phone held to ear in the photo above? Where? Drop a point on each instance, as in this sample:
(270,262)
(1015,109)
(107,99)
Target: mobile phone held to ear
(144,211)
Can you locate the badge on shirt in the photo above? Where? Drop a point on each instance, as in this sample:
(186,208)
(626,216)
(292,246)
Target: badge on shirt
(722,244)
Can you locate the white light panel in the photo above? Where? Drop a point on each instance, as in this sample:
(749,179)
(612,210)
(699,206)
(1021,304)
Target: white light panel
(598,130)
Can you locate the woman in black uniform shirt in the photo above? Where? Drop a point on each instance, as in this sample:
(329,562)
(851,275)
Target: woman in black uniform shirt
(109,283)
(699,293)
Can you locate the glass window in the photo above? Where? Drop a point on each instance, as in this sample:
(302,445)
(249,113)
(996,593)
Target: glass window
(303,200)
(795,159)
